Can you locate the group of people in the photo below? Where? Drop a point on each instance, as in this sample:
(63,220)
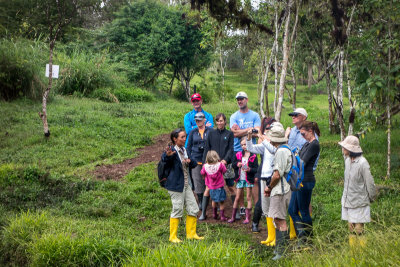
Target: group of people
(205,161)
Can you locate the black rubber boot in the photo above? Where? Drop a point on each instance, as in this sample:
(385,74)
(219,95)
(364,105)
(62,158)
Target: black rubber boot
(256,217)
(281,244)
(204,205)
(200,198)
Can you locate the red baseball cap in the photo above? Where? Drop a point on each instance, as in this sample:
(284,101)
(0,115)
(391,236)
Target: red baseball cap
(196,96)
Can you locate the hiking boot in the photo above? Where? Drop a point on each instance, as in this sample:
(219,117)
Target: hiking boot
(242,211)
(254,227)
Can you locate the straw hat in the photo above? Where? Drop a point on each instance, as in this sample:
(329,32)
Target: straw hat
(352,144)
(277,133)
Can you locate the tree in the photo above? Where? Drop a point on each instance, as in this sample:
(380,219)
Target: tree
(148,36)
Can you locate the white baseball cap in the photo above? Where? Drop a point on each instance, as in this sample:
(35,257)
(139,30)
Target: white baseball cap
(241,95)
(301,111)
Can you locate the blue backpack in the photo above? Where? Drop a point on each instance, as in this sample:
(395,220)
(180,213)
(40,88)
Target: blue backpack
(295,176)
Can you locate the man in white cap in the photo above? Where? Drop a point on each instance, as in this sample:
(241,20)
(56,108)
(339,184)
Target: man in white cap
(240,122)
(279,189)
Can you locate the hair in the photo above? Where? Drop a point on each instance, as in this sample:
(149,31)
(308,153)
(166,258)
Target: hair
(175,133)
(212,157)
(244,138)
(219,115)
(265,122)
(310,125)
(354,155)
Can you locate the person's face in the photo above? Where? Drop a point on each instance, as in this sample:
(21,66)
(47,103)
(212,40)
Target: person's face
(345,152)
(298,118)
(200,123)
(221,123)
(243,144)
(267,128)
(242,102)
(181,139)
(307,134)
(197,104)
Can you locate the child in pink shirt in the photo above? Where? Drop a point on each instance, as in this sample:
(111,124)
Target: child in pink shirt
(213,171)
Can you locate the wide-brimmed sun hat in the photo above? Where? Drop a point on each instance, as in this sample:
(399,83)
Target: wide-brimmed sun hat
(277,133)
(352,144)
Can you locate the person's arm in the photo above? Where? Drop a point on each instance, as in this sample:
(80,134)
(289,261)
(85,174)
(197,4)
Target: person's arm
(229,153)
(187,123)
(369,181)
(237,132)
(209,120)
(235,162)
(257,149)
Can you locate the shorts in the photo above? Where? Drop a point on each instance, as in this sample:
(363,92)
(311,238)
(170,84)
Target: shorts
(357,215)
(218,195)
(230,182)
(243,184)
(278,205)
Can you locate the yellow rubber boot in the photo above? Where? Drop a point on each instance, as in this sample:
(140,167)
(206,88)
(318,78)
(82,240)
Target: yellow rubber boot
(362,241)
(292,233)
(173,230)
(271,239)
(191,223)
(353,241)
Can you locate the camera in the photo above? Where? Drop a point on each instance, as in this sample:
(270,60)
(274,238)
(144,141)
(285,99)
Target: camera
(254,131)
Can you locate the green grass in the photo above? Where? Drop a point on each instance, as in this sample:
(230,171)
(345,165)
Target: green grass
(55,213)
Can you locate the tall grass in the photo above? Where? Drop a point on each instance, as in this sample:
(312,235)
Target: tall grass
(22,66)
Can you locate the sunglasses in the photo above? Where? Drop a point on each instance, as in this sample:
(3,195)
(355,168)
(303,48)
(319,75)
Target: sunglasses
(295,115)
(240,98)
(303,134)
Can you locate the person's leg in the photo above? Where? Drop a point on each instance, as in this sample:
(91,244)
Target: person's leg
(215,210)
(255,191)
(235,205)
(191,219)
(249,204)
(222,211)
(199,183)
(265,205)
(303,202)
(204,204)
(177,201)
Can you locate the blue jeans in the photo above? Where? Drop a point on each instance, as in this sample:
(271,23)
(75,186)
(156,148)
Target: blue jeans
(300,202)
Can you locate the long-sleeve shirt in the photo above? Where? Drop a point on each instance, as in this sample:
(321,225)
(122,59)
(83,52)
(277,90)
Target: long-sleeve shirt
(190,123)
(309,154)
(220,141)
(268,157)
(296,140)
(359,187)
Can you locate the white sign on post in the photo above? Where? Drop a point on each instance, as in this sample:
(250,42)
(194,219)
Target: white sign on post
(55,70)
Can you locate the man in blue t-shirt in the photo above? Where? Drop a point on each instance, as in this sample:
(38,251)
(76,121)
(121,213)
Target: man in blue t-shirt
(243,120)
(189,121)
(240,123)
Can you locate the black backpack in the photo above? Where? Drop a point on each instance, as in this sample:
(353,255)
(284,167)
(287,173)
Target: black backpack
(163,171)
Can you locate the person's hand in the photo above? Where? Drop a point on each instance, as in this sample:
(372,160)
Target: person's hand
(249,133)
(267,191)
(256,180)
(187,161)
(224,162)
(208,124)
(168,151)
(239,165)
(235,127)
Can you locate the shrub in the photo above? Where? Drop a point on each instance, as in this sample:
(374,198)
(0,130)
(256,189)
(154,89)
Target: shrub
(22,64)
(81,73)
(133,95)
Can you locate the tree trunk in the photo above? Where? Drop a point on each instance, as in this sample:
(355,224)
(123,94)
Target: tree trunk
(352,108)
(332,127)
(309,75)
(294,89)
(264,84)
(185,84)
(43,114)
(276,58)
(389,123)
(286,51)
(339,94)
(221,60)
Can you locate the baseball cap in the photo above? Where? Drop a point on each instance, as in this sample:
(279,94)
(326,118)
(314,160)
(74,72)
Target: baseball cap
(199,116)
(195,96)
(297,111)
(241,95)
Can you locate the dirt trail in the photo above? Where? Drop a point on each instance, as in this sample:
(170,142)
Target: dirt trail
(152,153)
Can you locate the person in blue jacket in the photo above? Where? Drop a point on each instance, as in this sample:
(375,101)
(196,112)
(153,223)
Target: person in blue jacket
(189,121)
(180,186)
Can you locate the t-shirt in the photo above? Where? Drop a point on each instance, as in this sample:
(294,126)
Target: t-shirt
(244,120)
(244,167)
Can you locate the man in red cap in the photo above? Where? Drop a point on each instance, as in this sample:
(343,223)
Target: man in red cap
(189,121)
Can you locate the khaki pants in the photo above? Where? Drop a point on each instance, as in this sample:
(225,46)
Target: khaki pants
(179,199)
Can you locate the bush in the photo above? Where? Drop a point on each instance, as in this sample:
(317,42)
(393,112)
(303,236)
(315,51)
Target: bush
(22,65)
(133,95)
(81,73)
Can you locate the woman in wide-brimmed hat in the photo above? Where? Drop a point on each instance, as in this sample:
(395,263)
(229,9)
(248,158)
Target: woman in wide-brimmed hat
(359,190)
